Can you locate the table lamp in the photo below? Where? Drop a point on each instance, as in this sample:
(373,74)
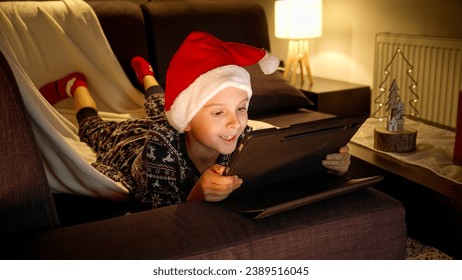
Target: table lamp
(298,20)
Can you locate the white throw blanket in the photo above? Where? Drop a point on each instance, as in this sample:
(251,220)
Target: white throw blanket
(45,41)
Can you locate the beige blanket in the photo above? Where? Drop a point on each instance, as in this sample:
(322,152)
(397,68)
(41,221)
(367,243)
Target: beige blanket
(44,41)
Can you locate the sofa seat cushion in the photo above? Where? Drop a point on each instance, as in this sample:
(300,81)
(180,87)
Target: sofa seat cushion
(362,225)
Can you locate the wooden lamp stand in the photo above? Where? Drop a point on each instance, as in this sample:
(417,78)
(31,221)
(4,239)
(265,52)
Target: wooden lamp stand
(298,58)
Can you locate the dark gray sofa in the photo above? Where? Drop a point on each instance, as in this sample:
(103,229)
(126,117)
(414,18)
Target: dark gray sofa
(36,224)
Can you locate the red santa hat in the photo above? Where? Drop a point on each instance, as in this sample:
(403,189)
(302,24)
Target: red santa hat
(202,67)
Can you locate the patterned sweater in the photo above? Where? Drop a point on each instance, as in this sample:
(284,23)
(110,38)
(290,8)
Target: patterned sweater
(148,156)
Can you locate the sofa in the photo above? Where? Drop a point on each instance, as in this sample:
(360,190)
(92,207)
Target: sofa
(36,223)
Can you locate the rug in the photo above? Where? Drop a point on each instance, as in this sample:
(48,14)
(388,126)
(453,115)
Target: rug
(418,251)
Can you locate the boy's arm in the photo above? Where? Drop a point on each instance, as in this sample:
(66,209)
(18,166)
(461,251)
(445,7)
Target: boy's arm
(155,171)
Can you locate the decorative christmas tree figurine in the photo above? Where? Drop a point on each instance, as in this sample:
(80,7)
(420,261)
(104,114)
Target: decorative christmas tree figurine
(413,97)
(396,107)
(394,138)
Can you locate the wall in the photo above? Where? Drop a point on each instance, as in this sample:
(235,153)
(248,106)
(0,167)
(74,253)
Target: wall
(346,49)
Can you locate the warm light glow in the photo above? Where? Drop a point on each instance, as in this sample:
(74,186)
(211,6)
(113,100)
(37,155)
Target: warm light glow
(298,19)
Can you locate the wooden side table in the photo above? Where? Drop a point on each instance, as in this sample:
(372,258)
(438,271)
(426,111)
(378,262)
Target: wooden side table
(433,203)
(337,97)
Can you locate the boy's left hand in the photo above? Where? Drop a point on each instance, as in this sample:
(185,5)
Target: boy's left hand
(338,162)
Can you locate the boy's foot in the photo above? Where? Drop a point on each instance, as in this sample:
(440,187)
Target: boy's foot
(63,88)
(142,68)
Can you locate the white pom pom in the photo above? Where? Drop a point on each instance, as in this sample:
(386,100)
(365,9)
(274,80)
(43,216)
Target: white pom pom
(269,63)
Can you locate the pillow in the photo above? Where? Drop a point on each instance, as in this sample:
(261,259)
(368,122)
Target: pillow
(272,93)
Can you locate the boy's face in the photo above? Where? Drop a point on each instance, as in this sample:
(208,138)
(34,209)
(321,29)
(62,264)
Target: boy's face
(218,125)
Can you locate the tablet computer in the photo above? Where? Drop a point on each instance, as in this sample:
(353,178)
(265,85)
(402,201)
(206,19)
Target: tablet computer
(269,156)
(282,170)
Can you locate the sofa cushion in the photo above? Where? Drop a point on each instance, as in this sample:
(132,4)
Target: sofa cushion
(124,28)
(273,94)
(168,23)
(362,225)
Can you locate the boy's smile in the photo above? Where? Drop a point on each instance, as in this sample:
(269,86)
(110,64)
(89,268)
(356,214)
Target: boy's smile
(228,138)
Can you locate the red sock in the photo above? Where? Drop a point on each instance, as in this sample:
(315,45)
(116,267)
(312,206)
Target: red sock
(142,68)
(63,88)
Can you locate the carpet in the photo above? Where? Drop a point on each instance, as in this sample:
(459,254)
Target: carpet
(418,251)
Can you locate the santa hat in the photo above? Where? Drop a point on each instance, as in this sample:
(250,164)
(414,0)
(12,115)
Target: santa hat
(202,67)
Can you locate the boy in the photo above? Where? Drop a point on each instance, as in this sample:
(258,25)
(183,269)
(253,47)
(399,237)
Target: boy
(178,152)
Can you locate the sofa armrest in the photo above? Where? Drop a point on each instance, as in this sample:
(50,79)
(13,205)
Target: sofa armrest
(362,225)
(25,197)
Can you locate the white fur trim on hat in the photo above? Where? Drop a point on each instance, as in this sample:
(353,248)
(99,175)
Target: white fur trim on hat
(269,63)
(205,87)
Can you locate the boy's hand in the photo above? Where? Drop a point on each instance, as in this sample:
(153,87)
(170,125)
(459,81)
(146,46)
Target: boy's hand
(338,162)
(213,186)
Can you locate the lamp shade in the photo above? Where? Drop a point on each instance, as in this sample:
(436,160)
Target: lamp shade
(298,19)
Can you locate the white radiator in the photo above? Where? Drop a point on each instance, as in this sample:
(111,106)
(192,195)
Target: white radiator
(437,71)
